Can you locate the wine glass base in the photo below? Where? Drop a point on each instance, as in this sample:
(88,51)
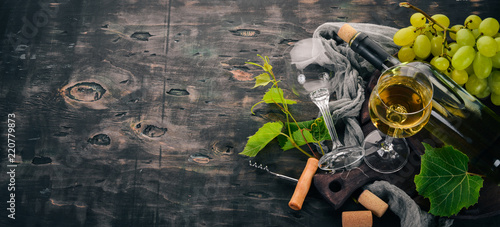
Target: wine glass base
(385,160)
(342,158)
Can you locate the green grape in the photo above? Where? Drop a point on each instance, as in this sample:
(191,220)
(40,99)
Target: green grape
(495,99)
(482,66)
(452,49)
(489,26)
(418,20)
(453,31)
(470,69)
(433,60)
(472,21)
(437,45)
(487,46)
(476,33)
(404,36)
(459,76)
(442,20)
(463,57)
(495,60)
(475,85)
(465,38)
(441,63)
(485,93)
(422,46)
(429,35)
(497,39)
(428,31)
(406,54)
(494,82)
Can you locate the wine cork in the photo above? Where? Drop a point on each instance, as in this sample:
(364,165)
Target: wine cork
(362,218)
(346,32)
(373,203)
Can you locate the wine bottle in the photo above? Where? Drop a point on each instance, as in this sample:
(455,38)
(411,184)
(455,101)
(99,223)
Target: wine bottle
(457,119)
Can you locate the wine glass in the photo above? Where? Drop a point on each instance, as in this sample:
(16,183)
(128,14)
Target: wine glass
(400,105)
(308,78)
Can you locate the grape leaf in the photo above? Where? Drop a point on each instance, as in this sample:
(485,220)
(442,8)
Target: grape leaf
(299,135)
(262,80)
(286,144)
(317,129)
(276,95)
(261,138)
(444,180)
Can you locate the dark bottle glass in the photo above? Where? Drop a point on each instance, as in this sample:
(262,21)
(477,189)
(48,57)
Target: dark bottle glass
(458,118)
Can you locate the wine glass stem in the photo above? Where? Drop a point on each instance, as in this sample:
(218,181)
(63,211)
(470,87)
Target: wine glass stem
(322,102)
(387,150)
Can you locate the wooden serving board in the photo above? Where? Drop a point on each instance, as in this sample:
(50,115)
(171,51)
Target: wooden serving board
(338,188)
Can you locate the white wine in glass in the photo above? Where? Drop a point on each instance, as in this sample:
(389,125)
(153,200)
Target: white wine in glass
(400,105)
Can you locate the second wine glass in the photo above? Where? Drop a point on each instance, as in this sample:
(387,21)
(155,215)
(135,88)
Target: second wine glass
(308,77)
(400,105)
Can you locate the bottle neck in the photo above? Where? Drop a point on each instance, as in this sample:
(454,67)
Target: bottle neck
(372,52)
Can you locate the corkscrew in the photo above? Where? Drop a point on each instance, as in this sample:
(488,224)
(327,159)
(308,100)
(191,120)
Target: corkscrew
(265,168)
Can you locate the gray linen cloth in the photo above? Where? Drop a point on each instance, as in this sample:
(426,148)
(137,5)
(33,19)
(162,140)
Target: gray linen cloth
(405,208)
(351,75)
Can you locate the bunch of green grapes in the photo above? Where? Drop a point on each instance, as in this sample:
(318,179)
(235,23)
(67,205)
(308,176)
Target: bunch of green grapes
(468,53)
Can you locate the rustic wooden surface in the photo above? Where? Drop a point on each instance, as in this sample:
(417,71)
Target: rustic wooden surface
(132,113)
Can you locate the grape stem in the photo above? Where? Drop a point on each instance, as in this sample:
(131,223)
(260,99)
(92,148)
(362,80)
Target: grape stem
(410,6)
(475,174)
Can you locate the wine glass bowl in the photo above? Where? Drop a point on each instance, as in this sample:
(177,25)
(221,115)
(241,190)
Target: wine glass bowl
(304,72)
(308,78)
(400,105)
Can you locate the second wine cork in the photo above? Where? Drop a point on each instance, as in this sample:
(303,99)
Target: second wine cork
(362,218)
(371,202)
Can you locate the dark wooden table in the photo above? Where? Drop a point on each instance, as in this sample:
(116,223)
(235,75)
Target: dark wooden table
(132,113)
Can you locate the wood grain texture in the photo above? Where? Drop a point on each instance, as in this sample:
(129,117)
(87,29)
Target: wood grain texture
(132,113)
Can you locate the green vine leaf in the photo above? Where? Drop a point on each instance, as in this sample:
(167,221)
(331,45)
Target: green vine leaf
(262,80)
(444,180)
(286,144)
(275,95)
(261,138)
(317,129)
(299,139)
